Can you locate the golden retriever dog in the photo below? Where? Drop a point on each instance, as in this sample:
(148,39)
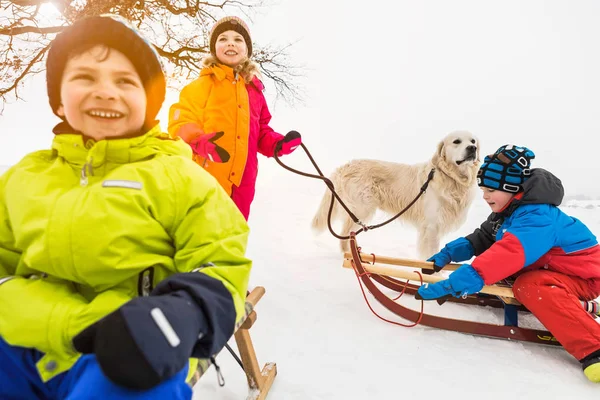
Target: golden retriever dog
(367,185)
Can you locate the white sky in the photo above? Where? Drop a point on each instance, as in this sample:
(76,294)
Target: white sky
(389,80)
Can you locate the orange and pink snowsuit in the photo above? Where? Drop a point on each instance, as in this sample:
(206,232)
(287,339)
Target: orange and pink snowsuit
(221,101)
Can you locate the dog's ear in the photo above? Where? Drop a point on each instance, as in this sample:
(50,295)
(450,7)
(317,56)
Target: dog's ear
(440,154)
(478,151)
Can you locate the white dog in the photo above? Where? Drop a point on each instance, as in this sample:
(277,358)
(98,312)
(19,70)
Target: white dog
(367,185)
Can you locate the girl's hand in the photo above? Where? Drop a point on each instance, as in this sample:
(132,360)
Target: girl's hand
(289,143)
(205,146)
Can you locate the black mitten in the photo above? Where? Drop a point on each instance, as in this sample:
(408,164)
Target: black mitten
(150,339)
(147,340)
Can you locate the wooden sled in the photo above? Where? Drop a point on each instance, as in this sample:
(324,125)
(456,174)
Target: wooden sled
(259,381)
(494,295)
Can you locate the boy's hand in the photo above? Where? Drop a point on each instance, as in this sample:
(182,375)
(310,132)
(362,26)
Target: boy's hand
(440,260)
(457,250)
(205,146)
(465,280)
(288,144)
(146,341)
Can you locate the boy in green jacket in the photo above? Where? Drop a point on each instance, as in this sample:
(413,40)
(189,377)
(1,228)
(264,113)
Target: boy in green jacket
(114,244)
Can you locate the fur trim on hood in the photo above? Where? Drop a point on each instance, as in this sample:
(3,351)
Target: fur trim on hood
(247,69)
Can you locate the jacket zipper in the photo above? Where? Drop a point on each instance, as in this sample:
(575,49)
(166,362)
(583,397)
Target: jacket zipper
(145,282)
(86,170)
(205,265)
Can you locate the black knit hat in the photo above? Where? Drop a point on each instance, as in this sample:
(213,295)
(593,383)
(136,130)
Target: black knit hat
(506,169)
(116,33)
(230,24)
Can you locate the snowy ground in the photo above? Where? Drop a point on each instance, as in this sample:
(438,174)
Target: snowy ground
(313,321)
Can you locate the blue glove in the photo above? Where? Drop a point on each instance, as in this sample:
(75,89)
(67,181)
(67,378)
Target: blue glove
(457,250)
(465,280)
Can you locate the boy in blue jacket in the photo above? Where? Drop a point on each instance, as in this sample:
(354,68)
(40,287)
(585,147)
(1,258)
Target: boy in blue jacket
(556,256)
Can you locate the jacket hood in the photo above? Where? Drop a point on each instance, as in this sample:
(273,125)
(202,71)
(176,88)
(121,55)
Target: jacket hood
(542,187)
(248,69)
(77,150)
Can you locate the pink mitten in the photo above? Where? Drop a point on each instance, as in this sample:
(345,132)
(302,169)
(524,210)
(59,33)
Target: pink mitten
(289,143)
(205,146)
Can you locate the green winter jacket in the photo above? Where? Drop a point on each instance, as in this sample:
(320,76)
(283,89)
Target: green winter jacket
(85,227)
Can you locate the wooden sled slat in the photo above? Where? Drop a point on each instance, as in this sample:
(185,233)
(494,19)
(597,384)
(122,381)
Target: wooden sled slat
(404,262)
(506,298)
(413,276)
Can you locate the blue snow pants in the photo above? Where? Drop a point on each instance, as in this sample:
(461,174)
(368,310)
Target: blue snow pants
(19,380)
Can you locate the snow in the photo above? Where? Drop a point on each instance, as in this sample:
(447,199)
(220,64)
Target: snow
(314,323)
(521,73)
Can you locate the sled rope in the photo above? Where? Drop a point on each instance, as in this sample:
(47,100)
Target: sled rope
(330,186)
(388,279)
(368,275)
(406,284)
(235,356)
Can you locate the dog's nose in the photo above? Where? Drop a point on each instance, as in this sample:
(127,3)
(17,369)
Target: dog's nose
(471,148)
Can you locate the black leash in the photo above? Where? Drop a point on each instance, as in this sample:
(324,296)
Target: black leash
(335,196)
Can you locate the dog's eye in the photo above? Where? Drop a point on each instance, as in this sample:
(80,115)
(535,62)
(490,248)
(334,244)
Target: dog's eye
(473,141)
(457,141)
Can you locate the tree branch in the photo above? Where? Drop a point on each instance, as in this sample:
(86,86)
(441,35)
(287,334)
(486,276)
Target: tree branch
(25,72)
(177,28)
(28,3)
(177,53)
(30,29)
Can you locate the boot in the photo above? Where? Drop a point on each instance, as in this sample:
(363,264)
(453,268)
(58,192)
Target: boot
(591,368)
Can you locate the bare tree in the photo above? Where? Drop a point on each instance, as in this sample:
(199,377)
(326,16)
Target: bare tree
(178,29)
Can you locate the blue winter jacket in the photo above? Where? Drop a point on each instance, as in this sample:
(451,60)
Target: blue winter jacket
(533,232)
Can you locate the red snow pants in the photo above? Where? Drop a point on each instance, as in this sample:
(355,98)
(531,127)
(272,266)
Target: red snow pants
(554,299)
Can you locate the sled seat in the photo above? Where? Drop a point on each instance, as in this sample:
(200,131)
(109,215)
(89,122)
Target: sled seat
(259,381)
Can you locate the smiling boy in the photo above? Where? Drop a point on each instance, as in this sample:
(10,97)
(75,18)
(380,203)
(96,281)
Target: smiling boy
(556,257)
(102,94)
(120,258)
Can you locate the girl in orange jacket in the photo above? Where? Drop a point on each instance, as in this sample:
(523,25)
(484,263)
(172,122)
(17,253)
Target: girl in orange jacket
(223,115)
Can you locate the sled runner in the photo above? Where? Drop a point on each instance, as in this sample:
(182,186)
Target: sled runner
(259,381)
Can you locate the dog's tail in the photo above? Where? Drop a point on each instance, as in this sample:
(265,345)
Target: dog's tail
(319,222)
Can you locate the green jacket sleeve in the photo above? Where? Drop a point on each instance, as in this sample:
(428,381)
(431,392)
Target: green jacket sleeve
(210,233)
(9,255)
(40,312)
(26,305)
